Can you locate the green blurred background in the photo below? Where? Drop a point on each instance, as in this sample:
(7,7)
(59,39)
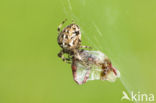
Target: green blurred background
(31,72)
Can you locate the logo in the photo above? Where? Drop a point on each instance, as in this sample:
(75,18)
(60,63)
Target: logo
(139,97)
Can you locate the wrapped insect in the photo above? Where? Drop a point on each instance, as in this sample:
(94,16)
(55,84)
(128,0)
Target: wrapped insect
(94,65)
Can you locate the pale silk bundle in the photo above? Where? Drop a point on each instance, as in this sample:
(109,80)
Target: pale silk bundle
(94,66)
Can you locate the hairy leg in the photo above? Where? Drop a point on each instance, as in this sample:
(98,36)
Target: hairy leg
(59,27)
(67,60)
(86,47)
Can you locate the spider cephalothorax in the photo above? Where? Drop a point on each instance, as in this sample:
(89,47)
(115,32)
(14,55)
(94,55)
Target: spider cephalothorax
(69,39)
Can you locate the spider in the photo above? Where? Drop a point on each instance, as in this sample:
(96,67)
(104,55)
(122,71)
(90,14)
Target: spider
(69,39)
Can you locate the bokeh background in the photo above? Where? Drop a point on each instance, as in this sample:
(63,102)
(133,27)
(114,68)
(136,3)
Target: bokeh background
(31,72)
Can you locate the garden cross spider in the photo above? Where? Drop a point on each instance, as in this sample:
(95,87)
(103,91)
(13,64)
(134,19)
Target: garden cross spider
(69,39)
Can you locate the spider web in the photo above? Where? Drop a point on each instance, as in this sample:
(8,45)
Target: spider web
(97,45)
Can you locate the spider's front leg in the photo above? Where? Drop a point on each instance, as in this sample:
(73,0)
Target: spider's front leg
(67,60)
(59,27)
(88,47)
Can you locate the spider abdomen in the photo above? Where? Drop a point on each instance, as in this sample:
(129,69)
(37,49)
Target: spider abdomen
(70,37)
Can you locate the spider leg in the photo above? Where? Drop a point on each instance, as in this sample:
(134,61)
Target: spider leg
(67,60)
(85,47)
(59,27)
